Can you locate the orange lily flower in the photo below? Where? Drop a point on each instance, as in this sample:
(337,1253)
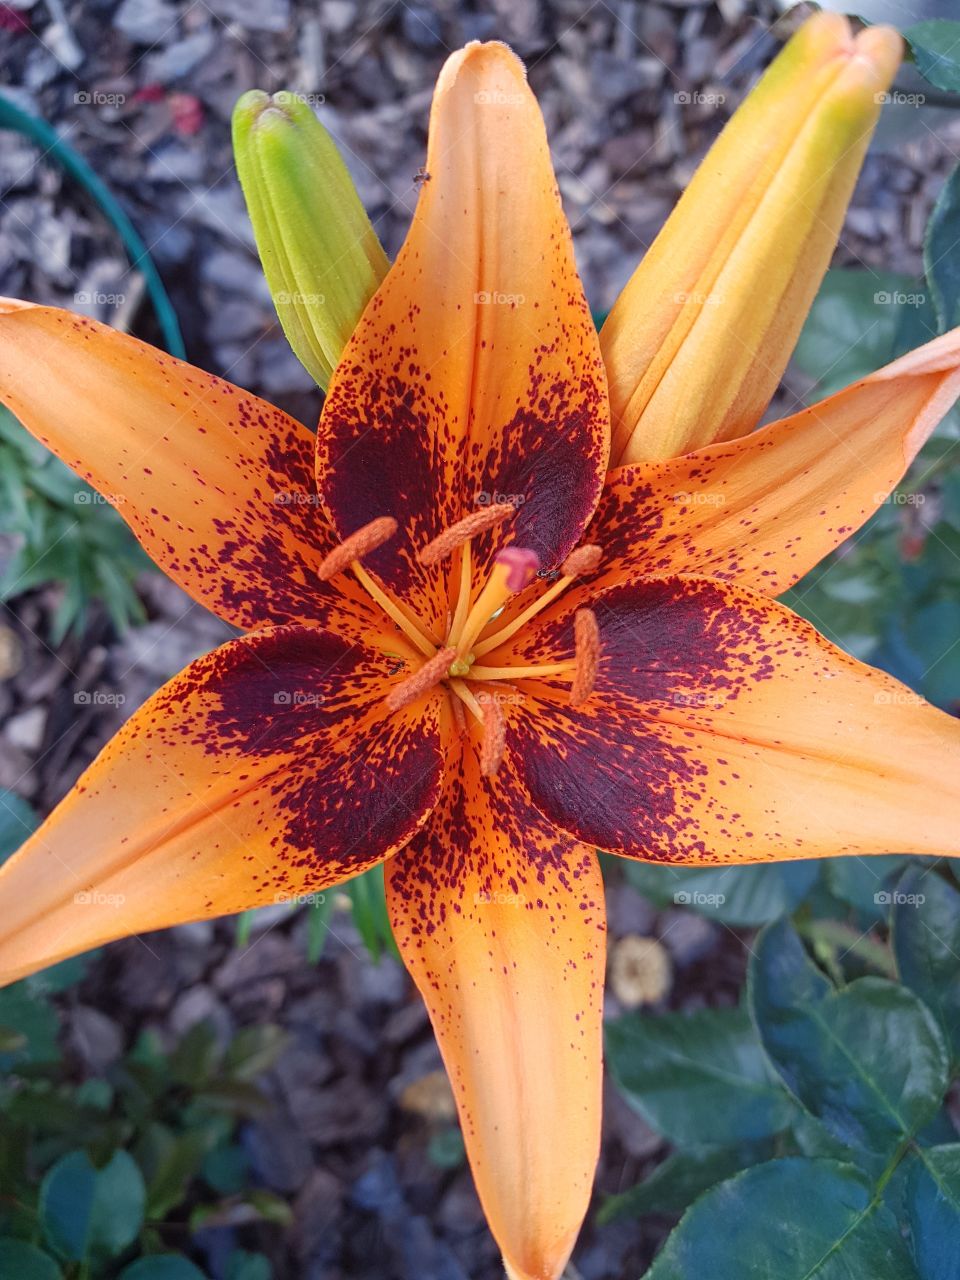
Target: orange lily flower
(409,688)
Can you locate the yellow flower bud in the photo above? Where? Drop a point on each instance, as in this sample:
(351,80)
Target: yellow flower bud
(700,336)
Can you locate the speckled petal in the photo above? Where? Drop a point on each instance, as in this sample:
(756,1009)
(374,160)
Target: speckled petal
(265,770)
(216,484)
(500,920)
(474,375)
(764,509)
(723,728)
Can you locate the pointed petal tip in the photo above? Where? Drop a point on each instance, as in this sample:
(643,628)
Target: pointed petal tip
(483,58)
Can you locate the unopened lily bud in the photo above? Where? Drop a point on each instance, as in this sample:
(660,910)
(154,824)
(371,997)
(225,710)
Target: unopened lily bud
(700,336)
(321,256)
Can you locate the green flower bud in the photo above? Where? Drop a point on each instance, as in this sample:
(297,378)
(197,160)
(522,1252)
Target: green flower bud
(321,256)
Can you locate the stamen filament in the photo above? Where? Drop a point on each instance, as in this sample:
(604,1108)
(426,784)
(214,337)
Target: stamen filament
(396,611)
(531,611)
(463,594)
(517,673)
(466,697)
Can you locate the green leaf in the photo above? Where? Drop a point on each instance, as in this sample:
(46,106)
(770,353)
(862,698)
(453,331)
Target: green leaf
(735,895)
(863,882)
(28,1027)
(162,1266)
(254,1050)
(88,1212)
(318,921)
(869,1061)
(176,1159)
(242,1265)
(792,1219)
(853,325)
(682,1177)
(933,1206)
(445,1149)
(17,821)
(936,51)
(699,1079)
(22,1261)
(926,943)
(941,261)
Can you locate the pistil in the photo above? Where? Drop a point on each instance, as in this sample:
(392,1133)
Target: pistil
(579,562)
(513,569)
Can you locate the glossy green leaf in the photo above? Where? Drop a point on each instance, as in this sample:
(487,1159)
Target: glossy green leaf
(92,1213)
(933,1205)
(682,1177)
(699,1079)
(22,1261)
(793,1219)
(735,895)
(936,51)
(869,1060)
(926,943)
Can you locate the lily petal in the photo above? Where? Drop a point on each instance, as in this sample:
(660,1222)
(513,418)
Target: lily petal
(474,375)
(265,770)
(723,728)
(696,343)
(217,485)
(764,509)
(500,920)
